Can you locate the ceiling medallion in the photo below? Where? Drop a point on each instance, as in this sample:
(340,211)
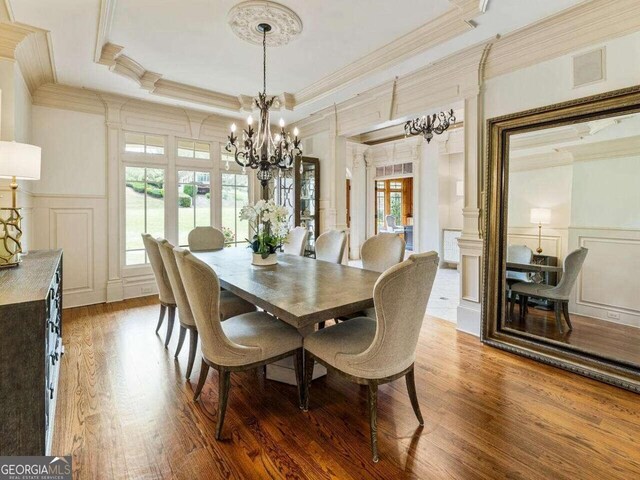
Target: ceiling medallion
(246,17)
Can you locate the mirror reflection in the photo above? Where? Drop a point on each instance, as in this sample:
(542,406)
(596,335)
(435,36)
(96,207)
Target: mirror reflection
(573,237)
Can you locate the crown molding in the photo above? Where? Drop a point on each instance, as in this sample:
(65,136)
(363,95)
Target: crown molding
(31,48)
(585,24)
(607,149)
(445,27)
(105,21)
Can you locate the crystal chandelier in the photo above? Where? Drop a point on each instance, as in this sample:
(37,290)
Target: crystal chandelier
(258,149)
(429,124)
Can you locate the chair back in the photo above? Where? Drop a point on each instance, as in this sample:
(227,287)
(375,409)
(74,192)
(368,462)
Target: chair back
(571,268)
(330,246)
(296,241)
(170,265)
(165,293)
(382,251)
(400,296)
(519,254)
(391,222)
(201,239)
(203,292)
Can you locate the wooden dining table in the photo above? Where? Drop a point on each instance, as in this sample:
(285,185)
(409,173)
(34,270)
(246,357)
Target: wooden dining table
(532,267)
(300,291)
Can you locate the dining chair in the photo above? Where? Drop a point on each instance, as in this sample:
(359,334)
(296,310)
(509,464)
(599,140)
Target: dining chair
(201,239)
(230,304)
(240,343)
(518,254)
(165,292)
(379,253)
(296,241)
(370,352)
(330,246)
(391,225)
(558,294)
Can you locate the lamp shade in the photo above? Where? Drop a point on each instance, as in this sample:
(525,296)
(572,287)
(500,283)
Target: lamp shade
(541,216)
(19,160)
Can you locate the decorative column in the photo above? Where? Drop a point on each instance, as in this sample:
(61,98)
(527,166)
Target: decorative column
(113,106)
(470,242)
(359,185)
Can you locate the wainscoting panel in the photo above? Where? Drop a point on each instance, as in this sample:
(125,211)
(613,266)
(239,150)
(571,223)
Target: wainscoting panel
(470,286)
(72,231)
(553,241)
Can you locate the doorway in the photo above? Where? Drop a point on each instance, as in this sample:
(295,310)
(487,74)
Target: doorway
(394,198)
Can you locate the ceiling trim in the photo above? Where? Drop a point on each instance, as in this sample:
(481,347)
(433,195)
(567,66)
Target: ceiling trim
(105,21)
(455,21)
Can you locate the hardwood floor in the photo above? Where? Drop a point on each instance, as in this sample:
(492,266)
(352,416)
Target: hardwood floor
(125,411)
(598,337)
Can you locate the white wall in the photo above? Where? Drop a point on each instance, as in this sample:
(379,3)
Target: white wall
(78,138)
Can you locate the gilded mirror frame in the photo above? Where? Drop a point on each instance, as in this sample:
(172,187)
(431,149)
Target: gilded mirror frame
(496,173)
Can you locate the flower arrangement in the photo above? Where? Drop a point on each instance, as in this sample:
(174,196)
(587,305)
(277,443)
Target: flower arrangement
(269,223)
(229,236)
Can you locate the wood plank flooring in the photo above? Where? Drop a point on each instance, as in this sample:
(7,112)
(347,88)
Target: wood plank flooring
(125,411)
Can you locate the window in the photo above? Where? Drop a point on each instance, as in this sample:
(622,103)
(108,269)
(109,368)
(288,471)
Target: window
(380,199)
(141,143)
(194,202)
(235,195)
(193,149)
(144,210)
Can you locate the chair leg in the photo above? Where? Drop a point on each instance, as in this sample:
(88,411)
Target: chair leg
(308,375)
(170,320)
(193,345)
(373,421)
(183,332)
(557,307)
(204,370)
(163,310)
(299,372)
(523,304)
(224,382)
(565,311)
(512,305)
(320,325)
(411,388)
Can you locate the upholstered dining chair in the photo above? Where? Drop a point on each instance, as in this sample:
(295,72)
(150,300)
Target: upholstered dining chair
(379,253)
(558,294)
(518,254)
(242,342)
(230,305)
(165,292)
(201,239)
(391,225)
(296,241)
(330,246)
(370,352)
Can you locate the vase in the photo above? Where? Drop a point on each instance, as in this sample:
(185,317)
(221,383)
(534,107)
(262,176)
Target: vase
(272,259)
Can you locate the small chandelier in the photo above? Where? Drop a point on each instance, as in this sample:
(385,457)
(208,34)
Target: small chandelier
(429,124)
(258,149)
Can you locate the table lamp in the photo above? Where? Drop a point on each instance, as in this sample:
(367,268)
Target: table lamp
(18,161)
(541,216)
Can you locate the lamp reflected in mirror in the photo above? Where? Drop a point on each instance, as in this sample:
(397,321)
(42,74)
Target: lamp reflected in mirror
(541,216)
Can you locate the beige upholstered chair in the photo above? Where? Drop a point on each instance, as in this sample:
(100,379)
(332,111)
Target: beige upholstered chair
(205,238)
(371,352)
(391,225)
(382,252)
(559,294)
(330,246)
(296,241)
(230,304)
(165,293)
(241,343)
(518,254)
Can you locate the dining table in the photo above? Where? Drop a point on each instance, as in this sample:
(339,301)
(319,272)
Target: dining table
(532,268)
(300,291)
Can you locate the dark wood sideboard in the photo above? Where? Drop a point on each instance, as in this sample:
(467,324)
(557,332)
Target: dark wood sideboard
(30,352)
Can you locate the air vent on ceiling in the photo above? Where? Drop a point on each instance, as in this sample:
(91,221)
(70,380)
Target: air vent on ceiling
(589,67)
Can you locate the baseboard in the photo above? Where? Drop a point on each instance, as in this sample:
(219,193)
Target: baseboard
(82,299)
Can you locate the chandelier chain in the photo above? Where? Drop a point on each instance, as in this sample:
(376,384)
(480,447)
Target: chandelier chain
(264,62)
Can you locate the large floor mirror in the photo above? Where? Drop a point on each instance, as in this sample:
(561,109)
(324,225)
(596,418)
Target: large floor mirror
(562,240)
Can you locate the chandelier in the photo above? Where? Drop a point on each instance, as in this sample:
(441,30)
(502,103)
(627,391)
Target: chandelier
(429,124)
(258,149)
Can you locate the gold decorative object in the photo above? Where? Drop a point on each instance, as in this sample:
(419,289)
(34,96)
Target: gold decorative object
(10,234)
(17,161)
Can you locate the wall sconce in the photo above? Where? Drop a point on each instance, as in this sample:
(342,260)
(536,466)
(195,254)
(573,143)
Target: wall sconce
(541,216)
(18,161)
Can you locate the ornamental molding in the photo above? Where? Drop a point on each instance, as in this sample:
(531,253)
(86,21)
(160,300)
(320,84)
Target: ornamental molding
(245,17)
